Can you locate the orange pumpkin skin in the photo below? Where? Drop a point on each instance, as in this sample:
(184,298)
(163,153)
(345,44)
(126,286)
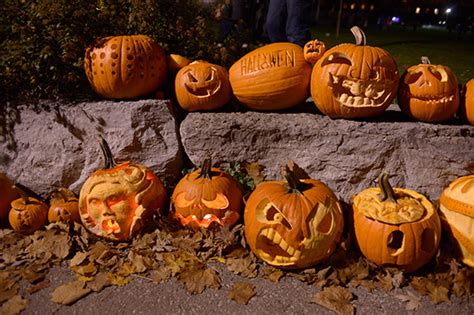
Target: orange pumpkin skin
(27,216)
(429,93)
(177,62)
(314,50)
(199,200)
(293,230)
(7,195)
(125,67)
(271,77)
(457,216)
(467,109)
(202,86)
(64,207)
(354,81)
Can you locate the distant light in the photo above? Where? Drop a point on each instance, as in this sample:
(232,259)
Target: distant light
(353,6)
(436,11)
(440,22)
(372,7)
(418,9)
(362,6)
(448,10)
(396,19)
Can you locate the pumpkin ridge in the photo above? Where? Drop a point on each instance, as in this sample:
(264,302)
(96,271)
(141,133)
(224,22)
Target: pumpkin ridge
(457,205)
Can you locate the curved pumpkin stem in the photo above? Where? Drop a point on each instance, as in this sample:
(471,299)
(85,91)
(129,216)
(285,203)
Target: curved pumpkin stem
(206,169)
(386,188)
(108,157)
(23,194)
(295,185)
(425,60)
(361,39)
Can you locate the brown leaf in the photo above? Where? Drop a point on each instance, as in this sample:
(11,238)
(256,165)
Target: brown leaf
(438,294)
(255,171)
(14,305)
(413,301)
(69,293)
(240,262)
(161,274)
(8,289)
(463,283)
(139,262)
(78,259)
(101,281)
(273,274)
(337,299)
(196,281)
(38,287)
(242,292)
(420,284)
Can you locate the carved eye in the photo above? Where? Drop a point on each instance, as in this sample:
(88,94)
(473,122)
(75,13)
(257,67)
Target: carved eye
(337,58)
(181,201)
(114,199)
(95,202)
(440,74)
(268,213)
(191,78)
(412,77)
(210,75)
(220,202)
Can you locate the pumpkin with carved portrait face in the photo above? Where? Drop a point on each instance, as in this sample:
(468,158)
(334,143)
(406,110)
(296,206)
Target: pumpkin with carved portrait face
(293,223)
(314,50)
(27,213)
(428,92)
(395,226)
(7,195)
(125,67)
(202,86)
(116,201)
(63,207)
(206,197)
(354,81)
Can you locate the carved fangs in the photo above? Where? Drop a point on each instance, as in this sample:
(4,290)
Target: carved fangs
(433,99)
(110,226)
(204,91)
(274,249)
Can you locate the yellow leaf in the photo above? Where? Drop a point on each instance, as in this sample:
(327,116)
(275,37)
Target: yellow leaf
(118,280)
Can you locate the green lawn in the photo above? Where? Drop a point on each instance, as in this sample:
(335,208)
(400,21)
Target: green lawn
(407,46)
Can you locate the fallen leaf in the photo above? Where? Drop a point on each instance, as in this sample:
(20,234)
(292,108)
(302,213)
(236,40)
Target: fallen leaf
(161,274)
(242,292)
(196,281)
(14,305)
(118,280)
(438,294)
(254,170)
(38,287)
(337,299)
(273,274)
(413,301)
(69,293)
(78,259)
(240,262)
(100,281)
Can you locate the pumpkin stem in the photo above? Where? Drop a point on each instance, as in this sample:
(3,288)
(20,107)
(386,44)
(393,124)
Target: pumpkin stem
(206,168)
(425,60)
(295,185)
(23,194)
(386,188)
(359,35)
(108,157)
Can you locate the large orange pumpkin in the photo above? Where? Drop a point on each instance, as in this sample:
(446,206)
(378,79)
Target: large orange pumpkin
(429,92)
(396,226)
(293,223)
(467,104)
(125,67)
(115,202)
(271,77)
(354,81)
(27,214)
(7,195)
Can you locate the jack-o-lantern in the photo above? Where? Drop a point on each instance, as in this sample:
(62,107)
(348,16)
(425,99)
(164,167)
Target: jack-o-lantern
(396,226)
(177,62)
(457,216)
(7,195)
(293,223)
(115,202)
(467,103)
(354,81)
(207,196)
(27,214)
(202,86)
(125,67)
(429,93)
(64,207)
(314,50)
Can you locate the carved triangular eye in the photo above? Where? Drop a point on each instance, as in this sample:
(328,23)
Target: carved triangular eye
(268,213)
(210,75)
(220,202)
(337,58)
(191,78)
(181,201)
(412,77)
(439,73)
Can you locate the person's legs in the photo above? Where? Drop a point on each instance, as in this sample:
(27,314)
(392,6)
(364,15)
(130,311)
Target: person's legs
(276,20)
(298,21)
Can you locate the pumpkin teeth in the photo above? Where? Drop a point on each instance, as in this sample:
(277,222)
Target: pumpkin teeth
(110,226)
(275,238)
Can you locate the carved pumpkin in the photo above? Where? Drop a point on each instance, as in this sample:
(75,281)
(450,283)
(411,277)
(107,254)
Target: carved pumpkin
(271,77)
(7,195)
(395,226)
(27,214)
(293,223)
(64,207)
(429,92)
(125,67)
(354,81)
(467,109)
(202,86)
(314,50)
(457,216)
(176,62)
(207,196)
(114,202)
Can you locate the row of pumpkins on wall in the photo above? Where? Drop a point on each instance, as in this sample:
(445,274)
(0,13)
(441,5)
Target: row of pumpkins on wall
(292,223)
(346,81)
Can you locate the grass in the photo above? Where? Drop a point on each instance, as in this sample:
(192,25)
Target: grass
(407,46)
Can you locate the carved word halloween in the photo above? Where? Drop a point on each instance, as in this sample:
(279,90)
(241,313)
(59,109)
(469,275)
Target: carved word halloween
(277,58)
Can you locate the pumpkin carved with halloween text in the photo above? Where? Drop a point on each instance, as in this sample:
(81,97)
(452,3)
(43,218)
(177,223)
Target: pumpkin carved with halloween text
(293,223)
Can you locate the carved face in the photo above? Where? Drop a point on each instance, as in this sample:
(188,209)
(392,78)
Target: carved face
(202,86)
(27,215)
(292,230)
(64,207)
(314,50)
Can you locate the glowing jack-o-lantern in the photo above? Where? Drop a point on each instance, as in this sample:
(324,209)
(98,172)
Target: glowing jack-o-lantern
(64,207)
(202,86)
(7,195)
(457,216)
(27,214)
(314,50)
(114,202)
(293,223)
(207,196)
(354,81)
(396,226)
(429,92)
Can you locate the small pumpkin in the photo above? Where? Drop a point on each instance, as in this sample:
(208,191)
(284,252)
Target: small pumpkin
(314,50)
(64,207)
(125,67)
(7,195)
(176,62)
(354,81)
(428,92)
(395,226)
(271,77)
(207,196)
(115,202)
(293,223)
(457,216)
(27,214)
(202,86)
(467,103)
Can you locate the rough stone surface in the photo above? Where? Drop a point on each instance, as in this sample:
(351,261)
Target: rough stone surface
(55,145)
(347,155)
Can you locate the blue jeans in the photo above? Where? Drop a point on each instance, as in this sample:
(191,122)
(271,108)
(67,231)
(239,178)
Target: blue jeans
(289,21)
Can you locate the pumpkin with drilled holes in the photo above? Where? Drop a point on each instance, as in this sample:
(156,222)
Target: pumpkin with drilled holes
(202,86)
(206,197)
(294,223)
(115,202)
(7,195)
(457,216)
(27,214)
(314,50)
(395,226)
(63,207)
(429,93)
(467,104)
(354,81)
(125,67)
(271,77)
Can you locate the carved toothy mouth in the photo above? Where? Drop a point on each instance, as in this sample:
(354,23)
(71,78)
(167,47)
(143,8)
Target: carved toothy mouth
(356,93)
(272,248)
(204,91)
(110,226)
(229,218)
(431,99)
